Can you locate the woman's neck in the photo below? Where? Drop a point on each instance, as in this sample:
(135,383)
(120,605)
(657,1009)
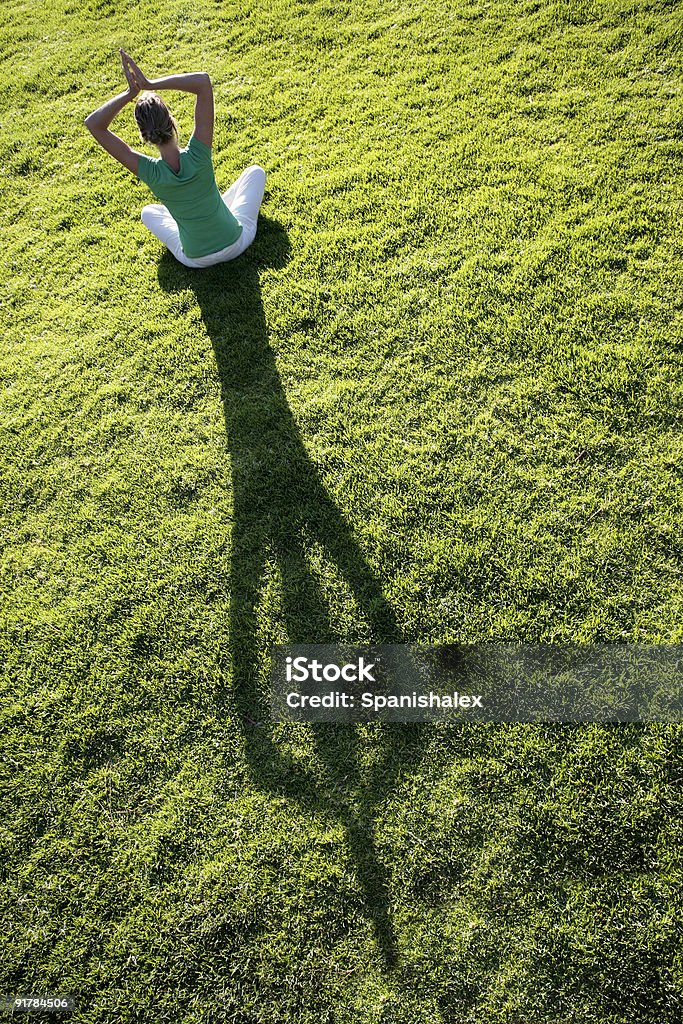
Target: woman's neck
(170,153)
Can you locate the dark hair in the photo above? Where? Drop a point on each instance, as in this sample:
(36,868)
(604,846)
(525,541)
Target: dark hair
(155,121)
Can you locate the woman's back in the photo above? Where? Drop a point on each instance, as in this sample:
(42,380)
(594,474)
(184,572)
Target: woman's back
(205,223)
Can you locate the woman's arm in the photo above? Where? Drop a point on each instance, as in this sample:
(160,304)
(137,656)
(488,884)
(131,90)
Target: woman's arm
(98,123)
(199,83)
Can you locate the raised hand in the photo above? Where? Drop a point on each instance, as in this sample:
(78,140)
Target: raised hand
(136,79)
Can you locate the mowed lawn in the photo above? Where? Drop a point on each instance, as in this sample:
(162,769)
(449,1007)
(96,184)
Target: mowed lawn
(440,400)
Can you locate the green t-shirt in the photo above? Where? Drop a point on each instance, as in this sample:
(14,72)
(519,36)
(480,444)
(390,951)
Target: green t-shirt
(191,196)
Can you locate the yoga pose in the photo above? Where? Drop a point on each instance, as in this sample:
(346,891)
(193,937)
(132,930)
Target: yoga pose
(198,224)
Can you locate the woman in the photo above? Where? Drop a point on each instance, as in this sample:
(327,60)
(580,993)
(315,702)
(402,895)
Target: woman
(199,226)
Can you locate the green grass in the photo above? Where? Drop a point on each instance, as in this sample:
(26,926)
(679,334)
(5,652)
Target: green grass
(439,399)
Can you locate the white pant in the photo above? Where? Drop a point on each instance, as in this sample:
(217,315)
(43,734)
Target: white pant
(243,199)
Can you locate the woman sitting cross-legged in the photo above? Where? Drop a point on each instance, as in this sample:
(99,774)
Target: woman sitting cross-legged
(198,224)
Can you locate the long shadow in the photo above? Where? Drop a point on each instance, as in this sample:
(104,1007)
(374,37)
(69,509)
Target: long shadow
(281,509)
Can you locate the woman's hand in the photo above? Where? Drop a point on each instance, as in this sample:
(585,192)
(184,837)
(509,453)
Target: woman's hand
(134,76)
